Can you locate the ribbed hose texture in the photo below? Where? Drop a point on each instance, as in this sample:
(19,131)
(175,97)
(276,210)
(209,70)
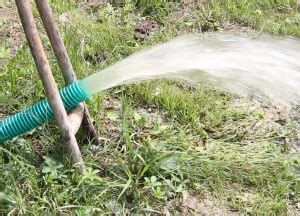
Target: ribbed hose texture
(39,113)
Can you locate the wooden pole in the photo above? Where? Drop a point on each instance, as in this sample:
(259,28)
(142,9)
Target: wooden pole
(56,41)
(51,90)
(64,63)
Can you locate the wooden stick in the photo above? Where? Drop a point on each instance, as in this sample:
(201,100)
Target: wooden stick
(51,90)
(56,41)
(63,60)
(75,117)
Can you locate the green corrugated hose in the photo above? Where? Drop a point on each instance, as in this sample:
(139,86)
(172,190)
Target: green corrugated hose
(39,113)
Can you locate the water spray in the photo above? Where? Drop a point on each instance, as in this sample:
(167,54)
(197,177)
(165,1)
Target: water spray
(266,67)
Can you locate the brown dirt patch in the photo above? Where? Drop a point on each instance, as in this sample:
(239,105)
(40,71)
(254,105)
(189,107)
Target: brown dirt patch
(144,29)
(143,119)
(271,119)
(110,128)
(39,149)
(10,29)
(192,205)
(95,58)
(4,111)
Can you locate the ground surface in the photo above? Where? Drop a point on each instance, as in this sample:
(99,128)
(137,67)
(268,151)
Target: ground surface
(10,32)
(185,150)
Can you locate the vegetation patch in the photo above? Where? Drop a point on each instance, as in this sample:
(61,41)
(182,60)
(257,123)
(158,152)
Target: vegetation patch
(166,147)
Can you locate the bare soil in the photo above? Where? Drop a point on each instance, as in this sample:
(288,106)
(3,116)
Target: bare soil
(145,28)
(11,32)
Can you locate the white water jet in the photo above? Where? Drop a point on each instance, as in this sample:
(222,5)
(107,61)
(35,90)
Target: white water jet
(265,67)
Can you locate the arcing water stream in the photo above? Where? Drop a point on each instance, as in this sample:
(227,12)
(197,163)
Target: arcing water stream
(266,67)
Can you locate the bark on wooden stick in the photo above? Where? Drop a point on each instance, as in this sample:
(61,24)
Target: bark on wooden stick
(63,60)
(75,117)
(56,41)
(43,67)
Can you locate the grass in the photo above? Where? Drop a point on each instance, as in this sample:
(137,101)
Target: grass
(159,149)
(256,14)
